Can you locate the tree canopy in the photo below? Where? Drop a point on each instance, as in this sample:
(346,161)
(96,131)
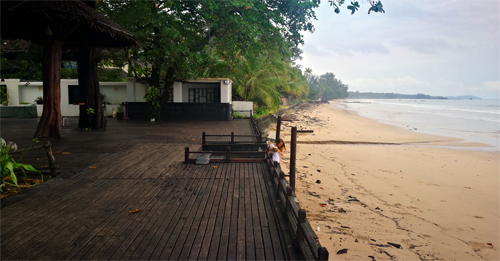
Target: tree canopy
(254,42)
(325,86)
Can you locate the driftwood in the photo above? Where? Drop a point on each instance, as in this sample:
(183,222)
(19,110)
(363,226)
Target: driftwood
(48,150)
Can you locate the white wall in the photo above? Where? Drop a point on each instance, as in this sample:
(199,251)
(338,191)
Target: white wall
(242,106)
(181,90)
(28,93)
(177,92)
(116,92)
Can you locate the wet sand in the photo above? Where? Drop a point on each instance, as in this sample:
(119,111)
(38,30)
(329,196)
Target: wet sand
(392,193)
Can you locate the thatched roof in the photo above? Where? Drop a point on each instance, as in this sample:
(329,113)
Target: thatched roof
(70,21)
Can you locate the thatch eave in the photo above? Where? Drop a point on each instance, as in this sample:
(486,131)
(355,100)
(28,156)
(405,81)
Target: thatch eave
(70,21)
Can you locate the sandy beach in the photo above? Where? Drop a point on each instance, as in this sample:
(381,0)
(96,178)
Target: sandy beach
(384,192)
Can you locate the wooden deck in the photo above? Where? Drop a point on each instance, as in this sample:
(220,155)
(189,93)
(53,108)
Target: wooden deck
(222,211)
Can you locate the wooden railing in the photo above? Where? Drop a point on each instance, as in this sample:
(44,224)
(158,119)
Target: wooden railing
(231,138)
(302,232)
(303,235)
(227,155)
(48,150)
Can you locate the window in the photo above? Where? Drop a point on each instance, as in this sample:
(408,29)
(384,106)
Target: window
(204,95)
(74,94)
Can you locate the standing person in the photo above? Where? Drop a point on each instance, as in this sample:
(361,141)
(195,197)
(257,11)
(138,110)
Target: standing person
(277,150)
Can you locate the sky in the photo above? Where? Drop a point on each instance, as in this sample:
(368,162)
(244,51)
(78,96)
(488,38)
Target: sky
(435,47)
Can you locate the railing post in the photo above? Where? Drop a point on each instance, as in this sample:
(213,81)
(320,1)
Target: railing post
(186,155)
(300,234)
(232,137)
(228,151)
(289,199)
(323,253)
(203,138)
(293,157)
(278,129)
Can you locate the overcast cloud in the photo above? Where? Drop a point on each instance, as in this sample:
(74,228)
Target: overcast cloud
(435,47)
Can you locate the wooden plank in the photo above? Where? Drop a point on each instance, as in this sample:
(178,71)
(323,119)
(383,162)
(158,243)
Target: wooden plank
(198,227)
(102,231)
(172,203)
(256,220)
(204,234)
(269,199)
(138,246)
(212,236)
(218,248)
(233,230)
(264,218)
(154,167)
(153,211)
(240,239)
(188,213)
(55,219)
(72,238)
(249,237)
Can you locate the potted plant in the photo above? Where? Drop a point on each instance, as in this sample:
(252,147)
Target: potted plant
(39,100)
(119,113)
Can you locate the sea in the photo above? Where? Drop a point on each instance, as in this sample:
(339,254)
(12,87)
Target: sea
(475,120)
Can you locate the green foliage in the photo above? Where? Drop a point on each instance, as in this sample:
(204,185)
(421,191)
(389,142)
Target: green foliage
(238,116)
(69,70)
(8,164)
(192,39)
(4,98)
(153,99)
(326,86)
(376,6)
(22,61)
(90,111)
(261,112)
(109,74)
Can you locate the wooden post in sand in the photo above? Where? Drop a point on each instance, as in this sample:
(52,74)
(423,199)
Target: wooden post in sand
(278,128)
(293,156)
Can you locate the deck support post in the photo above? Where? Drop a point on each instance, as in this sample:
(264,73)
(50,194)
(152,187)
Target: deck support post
(232,137)
(278,129)
(323,253)
(186,155)
(228,151)
(293,157)
(203,138)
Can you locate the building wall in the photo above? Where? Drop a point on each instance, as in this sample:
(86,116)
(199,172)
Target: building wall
(116,92)
(243,108)
(181,89)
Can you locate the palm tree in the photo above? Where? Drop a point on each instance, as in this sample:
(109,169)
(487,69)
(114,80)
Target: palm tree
(261,80)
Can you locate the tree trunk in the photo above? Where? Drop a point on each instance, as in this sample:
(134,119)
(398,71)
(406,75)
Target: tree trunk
(90,94)
(50,122)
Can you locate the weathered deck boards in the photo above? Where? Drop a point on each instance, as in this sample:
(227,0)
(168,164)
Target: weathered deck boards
(221,211)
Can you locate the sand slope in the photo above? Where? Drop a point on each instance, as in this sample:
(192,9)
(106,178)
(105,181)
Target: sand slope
(426,194)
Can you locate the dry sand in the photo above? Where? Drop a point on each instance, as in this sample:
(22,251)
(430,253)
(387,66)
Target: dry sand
(435,199)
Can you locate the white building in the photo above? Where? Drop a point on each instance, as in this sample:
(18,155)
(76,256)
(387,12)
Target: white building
(200,91)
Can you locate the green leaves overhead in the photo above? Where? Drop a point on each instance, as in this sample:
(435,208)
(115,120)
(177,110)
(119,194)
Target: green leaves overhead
(376,6)
(353,7)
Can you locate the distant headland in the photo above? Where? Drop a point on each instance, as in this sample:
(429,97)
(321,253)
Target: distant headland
(385,95)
